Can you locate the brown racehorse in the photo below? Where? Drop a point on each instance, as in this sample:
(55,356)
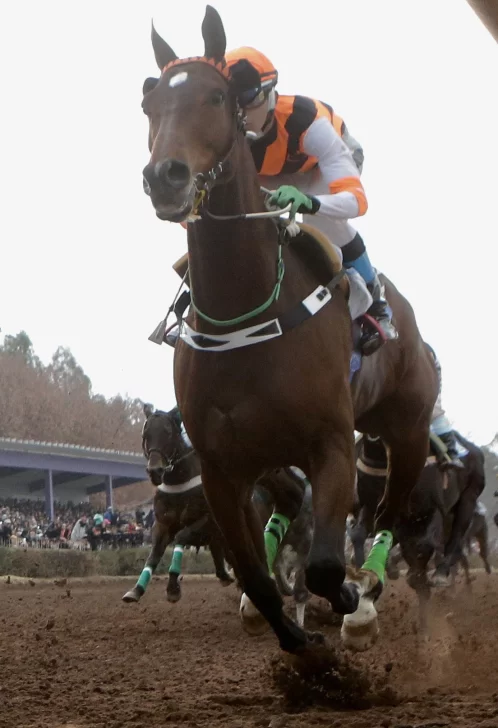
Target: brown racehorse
(286,400)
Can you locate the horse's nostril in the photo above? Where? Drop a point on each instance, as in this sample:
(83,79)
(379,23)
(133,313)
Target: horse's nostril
(155,475)
(171,174)
(176,173)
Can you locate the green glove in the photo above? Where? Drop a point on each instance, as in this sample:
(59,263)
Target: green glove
(301,203)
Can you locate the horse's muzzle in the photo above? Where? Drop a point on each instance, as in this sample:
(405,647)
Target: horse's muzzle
(170,187)
(156,468)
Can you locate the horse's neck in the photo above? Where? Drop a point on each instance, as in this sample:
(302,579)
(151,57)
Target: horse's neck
(187,464)
(232,264)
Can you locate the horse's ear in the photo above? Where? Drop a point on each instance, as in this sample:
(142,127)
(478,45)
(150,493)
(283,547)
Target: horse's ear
(149,84)
(163,52)
(243,77)
(176,416)
(148,409)
(215,41)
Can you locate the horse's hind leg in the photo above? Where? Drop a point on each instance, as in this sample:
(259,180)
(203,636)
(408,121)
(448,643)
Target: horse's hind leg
(466,567)
(160,539)
(218,554)
(482,540)
(231,506)
(301,594)
(358,536)
(406,460)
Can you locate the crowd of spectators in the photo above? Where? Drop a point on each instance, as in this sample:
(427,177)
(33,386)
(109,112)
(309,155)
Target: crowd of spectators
(25,523)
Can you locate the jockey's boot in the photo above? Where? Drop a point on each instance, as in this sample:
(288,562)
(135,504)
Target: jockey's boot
(449,439)
(381,312)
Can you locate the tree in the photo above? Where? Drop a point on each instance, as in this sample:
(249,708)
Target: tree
(22,346)
(67,374)
(56,404)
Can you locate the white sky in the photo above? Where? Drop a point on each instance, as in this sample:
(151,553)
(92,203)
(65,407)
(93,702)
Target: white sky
(86,264)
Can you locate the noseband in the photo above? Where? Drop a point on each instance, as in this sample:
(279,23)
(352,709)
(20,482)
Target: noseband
(173,459)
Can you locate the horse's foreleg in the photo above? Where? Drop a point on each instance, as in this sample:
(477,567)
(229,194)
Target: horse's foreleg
(227,501)
(287,495)
(252,619)
(332,473)
(454,548)
(160,539)
(184,537)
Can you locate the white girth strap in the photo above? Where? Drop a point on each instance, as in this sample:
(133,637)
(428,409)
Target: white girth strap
(181,487)
(382,472)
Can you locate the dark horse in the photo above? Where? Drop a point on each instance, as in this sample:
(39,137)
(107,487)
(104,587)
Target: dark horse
(442,509)
(251,398)
(182,515)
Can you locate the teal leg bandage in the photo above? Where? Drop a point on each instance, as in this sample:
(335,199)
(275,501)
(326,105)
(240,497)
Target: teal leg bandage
(377,558)
(176,561)
(275,530)
(145,577)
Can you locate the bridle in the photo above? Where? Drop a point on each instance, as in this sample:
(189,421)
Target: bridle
(205,181)
(172,459)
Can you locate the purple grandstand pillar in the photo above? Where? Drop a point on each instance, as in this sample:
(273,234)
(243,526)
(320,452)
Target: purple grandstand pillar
(49,495)
(108,491)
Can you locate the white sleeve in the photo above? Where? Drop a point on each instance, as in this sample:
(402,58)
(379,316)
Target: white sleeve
(347,197)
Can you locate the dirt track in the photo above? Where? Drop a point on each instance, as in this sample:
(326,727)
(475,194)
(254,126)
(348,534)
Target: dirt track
(87,659)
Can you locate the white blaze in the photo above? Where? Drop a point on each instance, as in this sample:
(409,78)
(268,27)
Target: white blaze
(178,79)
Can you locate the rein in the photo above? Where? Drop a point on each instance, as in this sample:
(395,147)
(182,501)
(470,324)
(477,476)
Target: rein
(203,184)
(172,460)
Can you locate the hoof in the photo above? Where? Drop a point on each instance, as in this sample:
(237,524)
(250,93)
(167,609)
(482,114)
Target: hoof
(252,620)
(360,630)
(440,580)
(173,595)
(131,596)
(226,580)
(315,638)
(392,573)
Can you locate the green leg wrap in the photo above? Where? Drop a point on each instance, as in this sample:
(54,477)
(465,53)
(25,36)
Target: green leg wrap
(275,530)
(145,577)
(379,552)
(176,561)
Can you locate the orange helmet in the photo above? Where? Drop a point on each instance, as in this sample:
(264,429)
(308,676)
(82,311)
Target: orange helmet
(267,73)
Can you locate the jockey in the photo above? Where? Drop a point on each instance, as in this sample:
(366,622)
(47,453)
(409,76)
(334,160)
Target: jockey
(303,148)
(440,424)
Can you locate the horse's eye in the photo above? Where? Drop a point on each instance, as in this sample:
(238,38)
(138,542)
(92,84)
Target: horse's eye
(217,98)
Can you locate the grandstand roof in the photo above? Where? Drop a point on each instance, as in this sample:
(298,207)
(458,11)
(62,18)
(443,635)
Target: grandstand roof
(77,470)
